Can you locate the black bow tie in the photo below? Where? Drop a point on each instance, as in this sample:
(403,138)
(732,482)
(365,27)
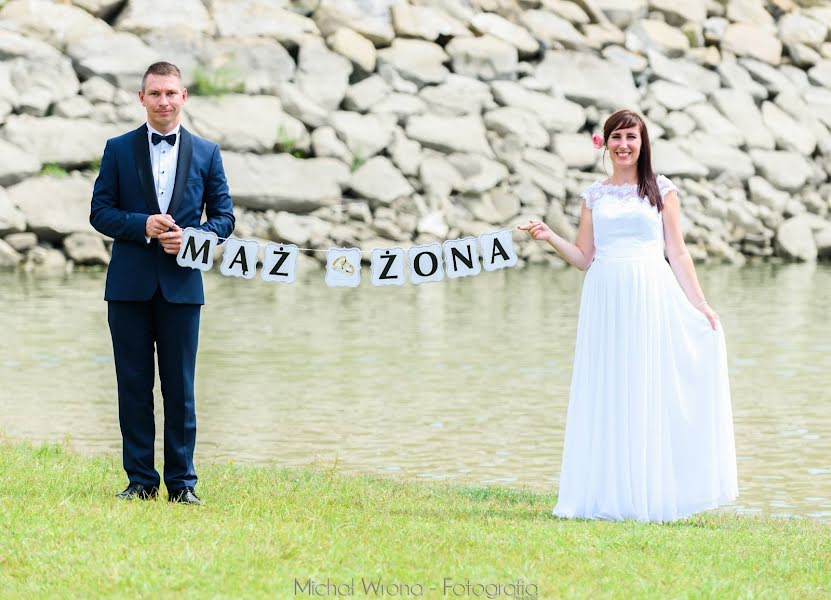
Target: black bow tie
(156,138)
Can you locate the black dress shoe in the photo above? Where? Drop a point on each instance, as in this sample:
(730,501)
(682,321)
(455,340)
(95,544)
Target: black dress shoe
(184,495)
(136,490)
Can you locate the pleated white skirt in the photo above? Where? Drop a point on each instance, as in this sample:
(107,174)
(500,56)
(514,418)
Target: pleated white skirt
(649,430)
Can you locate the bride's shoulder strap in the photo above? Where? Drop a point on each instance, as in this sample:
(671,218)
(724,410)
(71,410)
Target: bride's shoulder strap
(589,195)
(665,185)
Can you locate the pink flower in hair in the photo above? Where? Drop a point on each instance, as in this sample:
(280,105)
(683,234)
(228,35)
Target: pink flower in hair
(597,140)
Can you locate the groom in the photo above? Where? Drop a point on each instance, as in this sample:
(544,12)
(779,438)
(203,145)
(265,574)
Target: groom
(155,181)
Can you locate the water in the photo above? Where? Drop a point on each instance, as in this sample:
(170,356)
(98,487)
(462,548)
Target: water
(464,380)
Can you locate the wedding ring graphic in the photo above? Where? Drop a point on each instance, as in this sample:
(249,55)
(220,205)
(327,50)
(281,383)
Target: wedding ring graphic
(343,265)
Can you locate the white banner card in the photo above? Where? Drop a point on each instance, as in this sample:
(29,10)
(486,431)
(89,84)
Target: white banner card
(425,263)
(461,257)
(240,258)
(388,266)
(498,250)
(197,250)
(280,263)
(343,267)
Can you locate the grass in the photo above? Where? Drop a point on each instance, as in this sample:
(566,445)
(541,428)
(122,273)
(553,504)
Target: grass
(64,535)
(220,81)
(53,170)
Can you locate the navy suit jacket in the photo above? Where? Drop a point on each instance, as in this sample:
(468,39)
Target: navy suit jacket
(123,198)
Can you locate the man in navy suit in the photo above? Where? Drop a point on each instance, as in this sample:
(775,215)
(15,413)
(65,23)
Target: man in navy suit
(155,181)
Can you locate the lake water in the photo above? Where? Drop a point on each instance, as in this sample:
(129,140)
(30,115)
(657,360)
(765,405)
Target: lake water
(464,380)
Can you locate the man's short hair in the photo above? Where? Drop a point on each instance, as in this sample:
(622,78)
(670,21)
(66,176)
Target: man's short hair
(160,68)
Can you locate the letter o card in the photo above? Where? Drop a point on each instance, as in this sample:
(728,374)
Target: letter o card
(425,263)
(343,267)
(461,257)
(497,250)
(388,266)
(280,263)
(197,250)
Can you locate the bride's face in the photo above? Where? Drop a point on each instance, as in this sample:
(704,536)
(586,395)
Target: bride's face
(625,146)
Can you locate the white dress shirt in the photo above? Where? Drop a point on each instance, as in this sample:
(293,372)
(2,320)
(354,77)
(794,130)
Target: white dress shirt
(163,158)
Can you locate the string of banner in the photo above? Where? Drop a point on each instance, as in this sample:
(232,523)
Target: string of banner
(427,263)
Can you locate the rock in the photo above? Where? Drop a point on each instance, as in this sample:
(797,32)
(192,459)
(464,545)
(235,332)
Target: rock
(184,17)
(786,170)
(120,58)
(379,181)
(457,95)
(555,114)
(103,9)
(325,142)
(65,142)
(668,158)
(733,75)
(674,96)
(261,18)
(76,107)
(740,109)
(400,106)
(820,74)
(479,174)
(322,74)
(678,13)
(54,207)
(56,23)
(16,164)
(803,55)
(575,149)
(558,221)
(485,57)
(86,249)
(9,257)
(600,36)
(440,177)
(795,237)
(433,224)
(678,124)
(355,47)
(417,61)
(751,41)
(257,66)
(683,72)
(545,170)
(300,106)
(12,220)
(576,75)
(788,133)
(770,77)
(510,120)
(43,260)
(98,89)
(301,230)
(282,182)
(500,28)
(714,28)
(630,60)
(450,134)
(621,12)
(711,121)
(718,157)
(361,96)
(22,241)
(650,34)
(270,128)
(425,22)
(752,12)
(371,20)
(552,30)
(822,239)
(764,194)
(405,153)
(37,83)
(364,135)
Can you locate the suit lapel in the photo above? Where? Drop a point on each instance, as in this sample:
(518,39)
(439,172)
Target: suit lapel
(141,148)
(182,169)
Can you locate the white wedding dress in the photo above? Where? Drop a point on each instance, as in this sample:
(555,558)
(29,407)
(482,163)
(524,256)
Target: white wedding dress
(649,431)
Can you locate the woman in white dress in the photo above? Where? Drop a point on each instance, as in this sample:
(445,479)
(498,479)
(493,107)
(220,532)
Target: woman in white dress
(649,430)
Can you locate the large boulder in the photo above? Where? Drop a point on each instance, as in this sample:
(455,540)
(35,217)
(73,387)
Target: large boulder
(260,18)
(651,34)
(673,96)
(710,121)
(57,23)
(65,142)
(786,170)
(683,72)
(670,159)
(485,57)
(256,66)
(355,47)
(86,249)
(322,74)
(379,181)
(795,237)
(183,17)
(54,207)
(282,182)
(457,95)
(497,26)
(426,22)
(755,42)
(789,133)
(9,257)
(364,135)
(552,30)
(121,58)
(370,19)
(519,122)
(554,113)
(718,156)
(35,84)
(16,164)
(450,134)
(12,219)
(418,61)
(740,109)
(588,79)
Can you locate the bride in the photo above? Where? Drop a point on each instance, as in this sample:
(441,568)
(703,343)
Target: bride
(649,430)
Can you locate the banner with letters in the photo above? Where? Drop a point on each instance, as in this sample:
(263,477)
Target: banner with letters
(464,257)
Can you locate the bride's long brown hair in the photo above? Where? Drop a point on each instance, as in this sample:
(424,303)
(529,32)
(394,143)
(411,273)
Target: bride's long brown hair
(647,184)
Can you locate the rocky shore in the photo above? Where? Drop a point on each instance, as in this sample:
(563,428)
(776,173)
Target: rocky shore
(381,123)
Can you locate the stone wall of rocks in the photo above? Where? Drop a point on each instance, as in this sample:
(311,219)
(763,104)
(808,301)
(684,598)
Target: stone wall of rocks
(391,122)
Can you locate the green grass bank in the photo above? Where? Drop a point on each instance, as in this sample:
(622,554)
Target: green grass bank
(62,534)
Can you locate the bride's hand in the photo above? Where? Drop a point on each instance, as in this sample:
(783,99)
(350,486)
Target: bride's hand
(710,314)
(538,230)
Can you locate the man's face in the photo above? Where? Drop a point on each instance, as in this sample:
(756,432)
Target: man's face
(163,97)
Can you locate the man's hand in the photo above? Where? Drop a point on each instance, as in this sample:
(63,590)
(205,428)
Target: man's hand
(158,224)
(171,241)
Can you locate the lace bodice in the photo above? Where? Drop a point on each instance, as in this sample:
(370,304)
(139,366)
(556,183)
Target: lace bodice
(625,224)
